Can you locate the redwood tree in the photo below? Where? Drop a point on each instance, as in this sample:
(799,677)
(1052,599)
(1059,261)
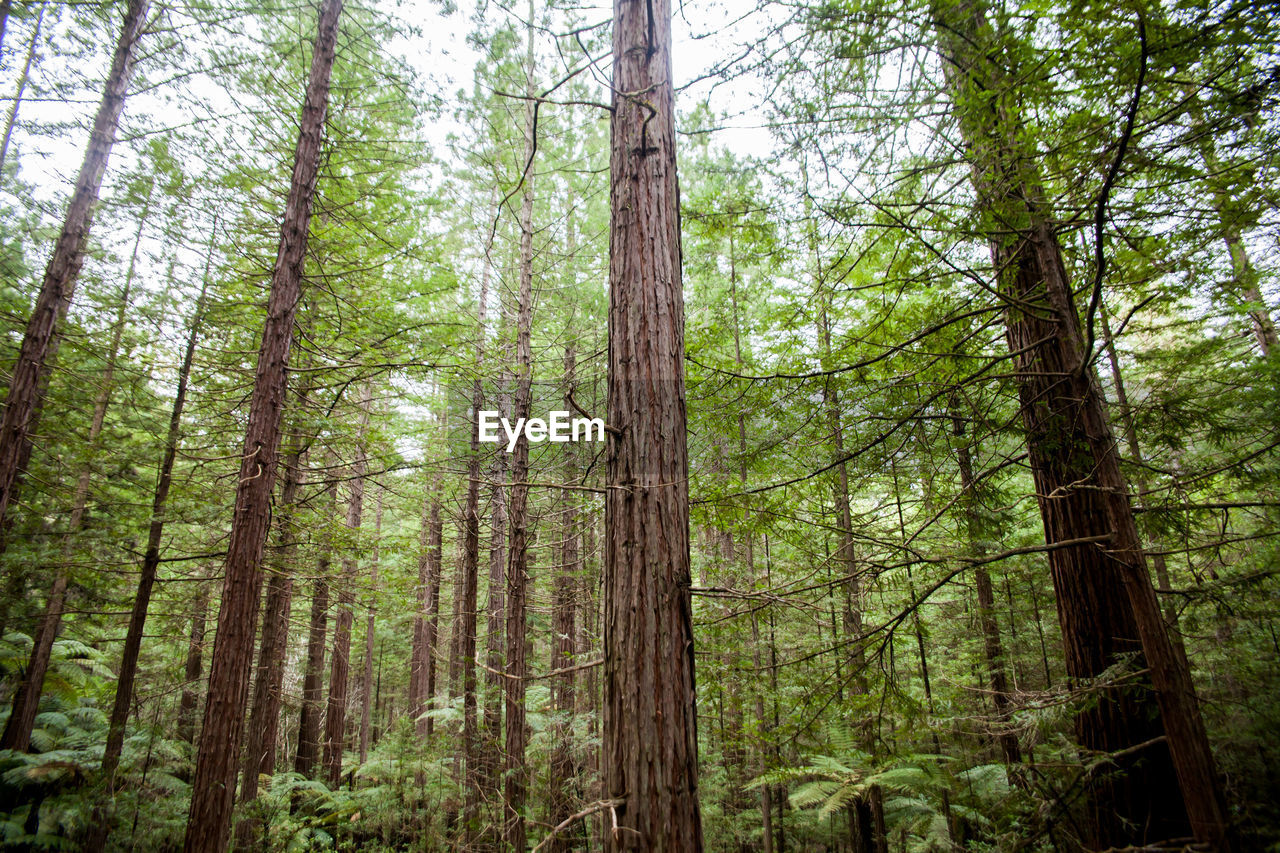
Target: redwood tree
(63,270)
(1106,603)
(650,724)
(213,790)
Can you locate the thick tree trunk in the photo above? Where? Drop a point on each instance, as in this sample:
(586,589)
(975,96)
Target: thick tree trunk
(213,791)
(60,276)
(23,78)
(335,718)
(264,718)
(650,724)
(1106,604)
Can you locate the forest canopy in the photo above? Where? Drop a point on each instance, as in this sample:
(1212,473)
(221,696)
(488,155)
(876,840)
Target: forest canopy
(728,425)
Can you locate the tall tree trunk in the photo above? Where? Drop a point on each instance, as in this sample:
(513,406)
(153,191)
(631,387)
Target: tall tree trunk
(455,621)
(63,270)
(26,701)
(419,652)
(155,532)
(23,78)
(1244,275)
(495,613)
(650,722)
(564,631)
(367,687)
(466,602)
(846,557)
(313,673)
(264,716)
(213,791)
(335,718)
(1106,604)
(432,632)
(517,774)
(147,574)
(748,536)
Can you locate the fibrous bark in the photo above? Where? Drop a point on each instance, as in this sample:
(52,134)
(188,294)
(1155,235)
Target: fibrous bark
(213,792)
(650,725)
(564,768)
(264,718)
(1107,606)
(29,373)
(26,700)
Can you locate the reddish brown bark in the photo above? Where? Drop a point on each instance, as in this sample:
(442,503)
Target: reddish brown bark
(467,639)
(422,673)
(455,617)
(1158,561)
(433,613)
(213,791)
(467,590)
(650,724)
(1106,604)
(60,275)
(264,718)
(490,757)
(26,700)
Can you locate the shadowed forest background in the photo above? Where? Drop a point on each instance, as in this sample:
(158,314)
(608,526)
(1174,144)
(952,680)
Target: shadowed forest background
(938,507)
